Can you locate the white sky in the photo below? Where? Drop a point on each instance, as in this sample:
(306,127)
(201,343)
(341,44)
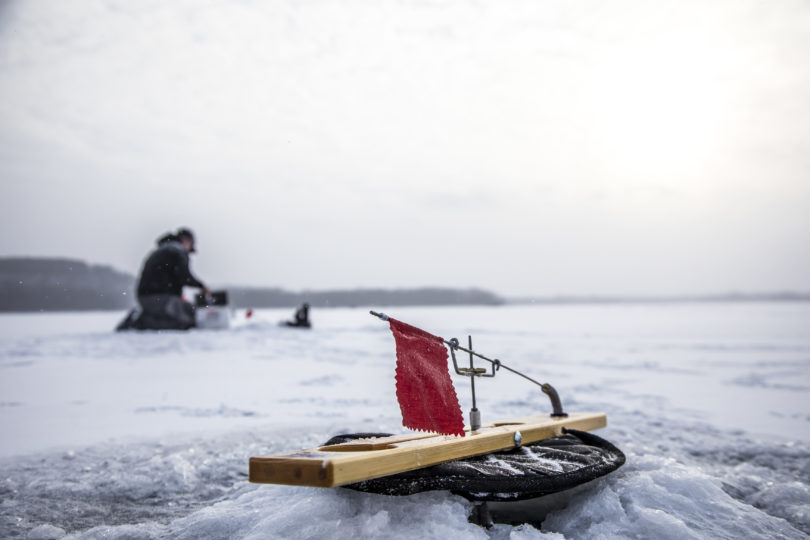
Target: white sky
(521,146)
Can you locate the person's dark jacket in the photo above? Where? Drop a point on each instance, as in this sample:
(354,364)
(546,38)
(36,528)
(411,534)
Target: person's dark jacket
(166,270)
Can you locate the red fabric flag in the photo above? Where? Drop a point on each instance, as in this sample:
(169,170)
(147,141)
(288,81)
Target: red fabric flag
(426,395)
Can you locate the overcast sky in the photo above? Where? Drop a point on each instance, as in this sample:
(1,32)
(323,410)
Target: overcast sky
(527,147)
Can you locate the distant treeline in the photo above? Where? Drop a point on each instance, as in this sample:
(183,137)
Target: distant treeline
(28,284)
(427,296)
(39,284)
(786,296)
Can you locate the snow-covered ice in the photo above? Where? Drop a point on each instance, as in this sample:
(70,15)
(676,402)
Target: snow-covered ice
(148,435)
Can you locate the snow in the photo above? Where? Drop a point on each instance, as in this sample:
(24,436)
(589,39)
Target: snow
(148,435)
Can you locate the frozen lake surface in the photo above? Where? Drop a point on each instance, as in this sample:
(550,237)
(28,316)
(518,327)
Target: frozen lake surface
(148,435)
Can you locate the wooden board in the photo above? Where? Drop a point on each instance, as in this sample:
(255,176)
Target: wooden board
(364,459)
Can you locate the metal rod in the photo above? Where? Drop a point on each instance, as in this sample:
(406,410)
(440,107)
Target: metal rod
(472,379)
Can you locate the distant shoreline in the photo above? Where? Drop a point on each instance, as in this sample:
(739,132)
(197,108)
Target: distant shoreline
(29,284)
(787,296)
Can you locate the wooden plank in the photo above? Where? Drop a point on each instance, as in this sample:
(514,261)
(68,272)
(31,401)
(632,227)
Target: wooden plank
(364,459)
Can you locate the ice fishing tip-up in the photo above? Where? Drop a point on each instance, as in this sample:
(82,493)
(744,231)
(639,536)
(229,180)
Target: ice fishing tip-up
(495,365)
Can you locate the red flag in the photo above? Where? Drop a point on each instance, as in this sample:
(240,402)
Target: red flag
(426,395)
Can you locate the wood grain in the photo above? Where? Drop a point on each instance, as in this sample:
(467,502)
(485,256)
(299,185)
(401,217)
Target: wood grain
(364,459)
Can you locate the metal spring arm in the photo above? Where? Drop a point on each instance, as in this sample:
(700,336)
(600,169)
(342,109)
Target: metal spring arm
(553,396)
(470,372)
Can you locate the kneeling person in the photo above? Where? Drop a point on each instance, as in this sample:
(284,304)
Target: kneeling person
(160,288)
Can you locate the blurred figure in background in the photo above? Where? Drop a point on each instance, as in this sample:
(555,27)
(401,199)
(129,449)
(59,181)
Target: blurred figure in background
(160,288)
(301,317)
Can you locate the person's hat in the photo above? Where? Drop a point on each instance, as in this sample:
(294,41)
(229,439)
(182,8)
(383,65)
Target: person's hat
(186,233)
